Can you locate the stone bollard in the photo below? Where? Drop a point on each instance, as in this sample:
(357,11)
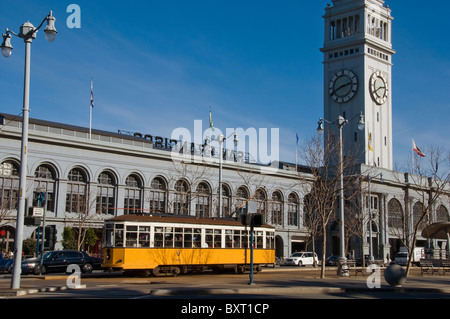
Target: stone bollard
(395,275)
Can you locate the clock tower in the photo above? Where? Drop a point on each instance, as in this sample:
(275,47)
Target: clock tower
(357,77)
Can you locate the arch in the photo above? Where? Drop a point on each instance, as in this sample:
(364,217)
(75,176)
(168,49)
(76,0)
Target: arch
(277,208)
(442,214)
(261,201)
(45,181)
(203,200)
(158,195)
(181,204)
(77,197)
(226,200)
(134,188)
(279,247)
(242,194)
(418,214)
(9,184)
(293,209)
(106,192)
(396,217)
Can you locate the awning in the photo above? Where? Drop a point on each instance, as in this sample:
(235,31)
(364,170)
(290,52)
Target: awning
(437,230)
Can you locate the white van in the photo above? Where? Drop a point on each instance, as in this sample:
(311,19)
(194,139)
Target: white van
(302,259)
(401,258)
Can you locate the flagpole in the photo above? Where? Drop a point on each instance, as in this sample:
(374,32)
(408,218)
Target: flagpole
(90,110)
(296,149)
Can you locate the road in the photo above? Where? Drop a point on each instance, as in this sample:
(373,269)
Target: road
(275,291)
(278,283)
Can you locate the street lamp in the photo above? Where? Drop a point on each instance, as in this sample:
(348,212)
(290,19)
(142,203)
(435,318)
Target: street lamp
(369,178)
(221,139)
(341,122)
(28,34)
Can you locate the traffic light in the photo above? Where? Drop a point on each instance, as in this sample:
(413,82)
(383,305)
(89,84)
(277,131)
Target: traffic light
(50,236)
(258,220)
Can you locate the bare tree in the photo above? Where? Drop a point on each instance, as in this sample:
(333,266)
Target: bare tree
(427,182)
(324,185)
(186,177)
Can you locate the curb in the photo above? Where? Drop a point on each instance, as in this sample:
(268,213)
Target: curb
(24,292)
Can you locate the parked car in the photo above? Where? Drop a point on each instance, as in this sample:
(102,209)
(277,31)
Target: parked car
(332,260)
(6,263)
(59,260)
(401,258)
(302,259)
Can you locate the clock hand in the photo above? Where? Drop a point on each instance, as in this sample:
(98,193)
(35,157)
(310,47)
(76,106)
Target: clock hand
(340,87)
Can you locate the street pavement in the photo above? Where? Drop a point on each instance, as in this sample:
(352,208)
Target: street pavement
(280,281)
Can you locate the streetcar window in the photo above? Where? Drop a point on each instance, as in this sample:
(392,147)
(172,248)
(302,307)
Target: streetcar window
(197,238)
(168,237)
(209,239)
(108,237)
(245,239)
(236,239)
(159,237)
(188,238)
(118,235)
(259,239)
(131,236)
(217,238)
(228,238)
(144,236)
(178,237)
(270,240)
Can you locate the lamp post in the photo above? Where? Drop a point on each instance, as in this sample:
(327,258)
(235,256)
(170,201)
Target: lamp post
(369,178)
(221,138)
(340,123)
(28,34)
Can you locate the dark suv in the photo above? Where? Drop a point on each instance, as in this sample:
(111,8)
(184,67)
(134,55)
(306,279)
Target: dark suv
(59,260)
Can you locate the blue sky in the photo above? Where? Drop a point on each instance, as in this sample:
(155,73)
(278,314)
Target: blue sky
(159,65)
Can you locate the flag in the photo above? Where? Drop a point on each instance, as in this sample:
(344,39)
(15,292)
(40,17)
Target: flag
(417,150)
(370,142)
(211,126)
(296,136)
(92,95)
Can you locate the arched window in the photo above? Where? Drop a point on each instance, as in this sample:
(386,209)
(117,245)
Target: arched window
(132,201)
(293,209)
(182,198)
(44,182)
(261,201)
(77,199)
(9,185)
(241,197)
(157,195)
(442,214)
(395,214)
(226,201)
(106,193)
(203,201)
(418,212)
(277,208)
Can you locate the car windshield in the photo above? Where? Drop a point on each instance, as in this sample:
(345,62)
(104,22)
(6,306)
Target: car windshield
(296,254)
(401,255)
(49,255)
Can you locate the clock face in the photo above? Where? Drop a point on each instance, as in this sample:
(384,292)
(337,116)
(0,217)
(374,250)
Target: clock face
(379,88)
(343,86)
